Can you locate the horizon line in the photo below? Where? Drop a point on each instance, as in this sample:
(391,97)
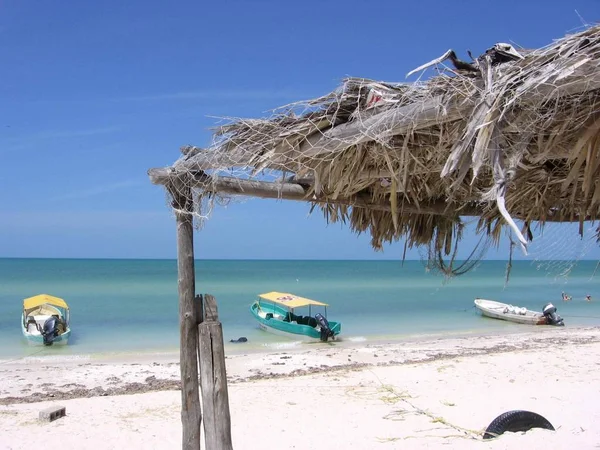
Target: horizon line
(259,259)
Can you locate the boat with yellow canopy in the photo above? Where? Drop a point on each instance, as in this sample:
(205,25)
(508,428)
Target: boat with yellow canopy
(275,312)
(45,320)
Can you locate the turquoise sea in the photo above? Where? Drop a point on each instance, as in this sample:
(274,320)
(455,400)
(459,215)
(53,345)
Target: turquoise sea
(128,306)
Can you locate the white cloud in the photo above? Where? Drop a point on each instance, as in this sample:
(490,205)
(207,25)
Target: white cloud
(57,134)
(22,143)
(44,222)
(98,190)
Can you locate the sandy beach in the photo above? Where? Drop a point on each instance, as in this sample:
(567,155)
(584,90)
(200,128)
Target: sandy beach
(431,393)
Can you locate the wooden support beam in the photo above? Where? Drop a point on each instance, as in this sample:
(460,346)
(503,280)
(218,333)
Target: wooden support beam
(299,192)
(191,416)
(213,379)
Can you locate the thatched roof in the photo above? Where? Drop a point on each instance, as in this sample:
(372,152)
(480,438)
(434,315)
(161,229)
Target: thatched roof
(517,139)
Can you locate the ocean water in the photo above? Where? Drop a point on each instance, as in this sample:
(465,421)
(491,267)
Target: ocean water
(125,306)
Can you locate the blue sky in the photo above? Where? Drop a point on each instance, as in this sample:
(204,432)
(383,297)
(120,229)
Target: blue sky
(95,93)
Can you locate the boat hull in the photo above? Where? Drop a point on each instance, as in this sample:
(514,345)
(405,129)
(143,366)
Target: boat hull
(38,340)
(496,310)
(276,325)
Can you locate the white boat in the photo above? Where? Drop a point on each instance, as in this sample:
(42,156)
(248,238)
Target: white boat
(504,311)
(45,320)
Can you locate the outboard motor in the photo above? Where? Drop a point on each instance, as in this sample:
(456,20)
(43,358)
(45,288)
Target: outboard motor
(552,318)
(50,330)
(326,332)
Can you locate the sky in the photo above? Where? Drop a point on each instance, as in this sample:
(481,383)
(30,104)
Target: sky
(93,94)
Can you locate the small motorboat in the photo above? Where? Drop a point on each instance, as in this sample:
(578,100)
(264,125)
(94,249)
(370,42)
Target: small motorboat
(504,311)
(275,312)
(45,320)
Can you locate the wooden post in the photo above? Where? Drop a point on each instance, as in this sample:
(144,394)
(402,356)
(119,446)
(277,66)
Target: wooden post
(213,379)
(191,416)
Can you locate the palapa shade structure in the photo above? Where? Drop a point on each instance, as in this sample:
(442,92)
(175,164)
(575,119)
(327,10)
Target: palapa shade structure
(512,135)
(517,139)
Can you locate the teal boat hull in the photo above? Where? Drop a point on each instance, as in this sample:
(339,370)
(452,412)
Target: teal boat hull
(277,325)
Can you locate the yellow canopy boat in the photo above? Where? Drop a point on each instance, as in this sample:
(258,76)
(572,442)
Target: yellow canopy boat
(45,320)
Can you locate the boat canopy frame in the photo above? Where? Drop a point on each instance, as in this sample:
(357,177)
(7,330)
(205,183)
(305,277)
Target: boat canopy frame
(43,299)
(31,303)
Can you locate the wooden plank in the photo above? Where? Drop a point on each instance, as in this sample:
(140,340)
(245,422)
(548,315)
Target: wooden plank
(191,416)
(211,313)
(213,378)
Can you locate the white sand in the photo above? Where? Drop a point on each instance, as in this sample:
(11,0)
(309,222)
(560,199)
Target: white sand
(363,397)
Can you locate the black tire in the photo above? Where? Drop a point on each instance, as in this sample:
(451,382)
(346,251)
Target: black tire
(517,420)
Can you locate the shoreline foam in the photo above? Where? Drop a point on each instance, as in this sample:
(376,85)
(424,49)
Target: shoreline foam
(252,347)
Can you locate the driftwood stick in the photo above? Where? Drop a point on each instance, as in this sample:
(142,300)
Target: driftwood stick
(191,416)
(213,378)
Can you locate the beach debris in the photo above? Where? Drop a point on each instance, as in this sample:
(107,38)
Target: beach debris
(239,340)
(52,413)
(451,55)
(498,54)
(517,420)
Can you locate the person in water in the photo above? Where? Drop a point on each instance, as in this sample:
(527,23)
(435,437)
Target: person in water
(565,297)
(588,298)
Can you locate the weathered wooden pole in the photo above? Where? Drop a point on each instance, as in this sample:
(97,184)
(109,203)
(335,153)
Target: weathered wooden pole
(213,379)
(191,416)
